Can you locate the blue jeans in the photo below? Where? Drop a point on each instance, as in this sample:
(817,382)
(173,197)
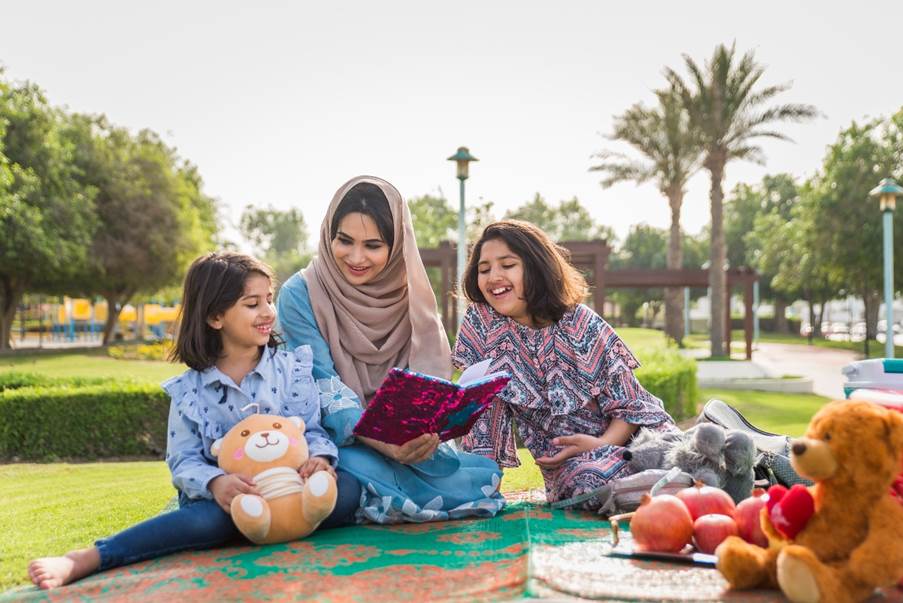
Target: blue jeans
(202,524)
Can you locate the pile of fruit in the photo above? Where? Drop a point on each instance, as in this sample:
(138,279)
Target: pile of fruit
(700,515)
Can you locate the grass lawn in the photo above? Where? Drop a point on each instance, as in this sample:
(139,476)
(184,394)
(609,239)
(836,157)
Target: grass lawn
(772,411)
(49,509)
(94,363)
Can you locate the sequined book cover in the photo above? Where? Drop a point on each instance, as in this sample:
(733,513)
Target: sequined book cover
(409,404)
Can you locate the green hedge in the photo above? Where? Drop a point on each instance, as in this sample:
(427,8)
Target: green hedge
(671,376)
(14,380)
(48,422)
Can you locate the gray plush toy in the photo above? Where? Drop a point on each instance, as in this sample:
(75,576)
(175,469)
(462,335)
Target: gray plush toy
(711,454)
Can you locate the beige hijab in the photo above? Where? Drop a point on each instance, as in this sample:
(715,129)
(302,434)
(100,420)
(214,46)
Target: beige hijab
(390,321)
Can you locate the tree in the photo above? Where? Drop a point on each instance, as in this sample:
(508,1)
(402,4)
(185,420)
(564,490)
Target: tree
(727,111)
(46,214)
(279,237)
(434,220)
(153,218)
(848,223)
(792,250)
(566,221)
(776,194)
(671,153)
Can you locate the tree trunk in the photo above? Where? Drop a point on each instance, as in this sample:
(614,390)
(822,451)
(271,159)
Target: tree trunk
(10,296)
(717,259)
(872,300)
(674,299)
(115,303)
(811,334)
(780,316)
(819,319)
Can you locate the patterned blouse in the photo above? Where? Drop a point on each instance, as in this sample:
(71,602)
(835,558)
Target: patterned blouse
(573,376)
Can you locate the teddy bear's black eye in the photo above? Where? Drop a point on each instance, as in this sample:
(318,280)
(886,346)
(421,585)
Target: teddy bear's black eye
(827,437)
(277,425)
(244,433)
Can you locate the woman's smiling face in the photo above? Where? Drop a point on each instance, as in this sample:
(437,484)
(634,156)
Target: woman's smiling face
(500,277)
(359,250)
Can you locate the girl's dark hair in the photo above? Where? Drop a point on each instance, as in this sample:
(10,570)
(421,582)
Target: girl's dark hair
(370,200)
(552,286)
(214,283)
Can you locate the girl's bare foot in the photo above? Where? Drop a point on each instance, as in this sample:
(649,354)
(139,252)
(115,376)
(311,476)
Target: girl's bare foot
(51,572)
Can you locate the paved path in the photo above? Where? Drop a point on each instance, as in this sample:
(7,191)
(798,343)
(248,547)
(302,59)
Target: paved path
(822,365)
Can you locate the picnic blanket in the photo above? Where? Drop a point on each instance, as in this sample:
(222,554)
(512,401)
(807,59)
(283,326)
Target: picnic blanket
(529,550)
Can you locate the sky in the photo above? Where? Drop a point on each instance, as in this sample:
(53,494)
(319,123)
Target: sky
(279,103)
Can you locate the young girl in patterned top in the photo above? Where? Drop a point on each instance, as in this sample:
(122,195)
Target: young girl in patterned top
(226,337)
(573,399)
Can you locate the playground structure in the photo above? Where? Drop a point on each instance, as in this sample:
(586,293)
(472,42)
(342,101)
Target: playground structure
(78,321)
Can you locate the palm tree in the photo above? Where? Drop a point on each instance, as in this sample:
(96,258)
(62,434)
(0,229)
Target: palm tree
(727,112)
(671,156)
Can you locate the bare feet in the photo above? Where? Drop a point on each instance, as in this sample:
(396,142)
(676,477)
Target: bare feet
(51,572)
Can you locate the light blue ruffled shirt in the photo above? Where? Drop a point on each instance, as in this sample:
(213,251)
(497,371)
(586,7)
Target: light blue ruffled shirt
(206,404)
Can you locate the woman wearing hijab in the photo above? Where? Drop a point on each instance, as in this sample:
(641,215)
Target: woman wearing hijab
(365,305)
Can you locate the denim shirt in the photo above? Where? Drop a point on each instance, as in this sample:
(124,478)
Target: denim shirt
(206,404)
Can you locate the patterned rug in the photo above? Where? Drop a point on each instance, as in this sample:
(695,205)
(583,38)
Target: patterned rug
(527,551)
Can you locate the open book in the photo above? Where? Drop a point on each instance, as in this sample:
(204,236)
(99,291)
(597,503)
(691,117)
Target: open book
(409,404)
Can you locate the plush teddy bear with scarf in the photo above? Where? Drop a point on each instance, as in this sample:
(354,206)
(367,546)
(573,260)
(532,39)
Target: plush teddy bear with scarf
(271,449)
(842,537)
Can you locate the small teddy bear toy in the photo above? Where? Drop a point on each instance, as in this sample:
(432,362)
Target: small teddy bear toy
(715,456)
(271,449)
(842,537)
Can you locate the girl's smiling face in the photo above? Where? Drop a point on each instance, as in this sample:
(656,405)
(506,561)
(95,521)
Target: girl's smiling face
(249,322)
(500,278)
(359,250)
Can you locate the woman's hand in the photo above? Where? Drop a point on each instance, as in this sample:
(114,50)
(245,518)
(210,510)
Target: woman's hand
(572,445)
(314,464)
(227,487)
(411,452)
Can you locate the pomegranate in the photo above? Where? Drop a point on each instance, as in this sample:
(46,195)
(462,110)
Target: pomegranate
(703,500)
(711,530)
(662,523)
(748,518)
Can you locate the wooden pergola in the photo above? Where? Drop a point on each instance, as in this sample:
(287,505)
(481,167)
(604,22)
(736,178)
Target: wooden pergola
(593,255)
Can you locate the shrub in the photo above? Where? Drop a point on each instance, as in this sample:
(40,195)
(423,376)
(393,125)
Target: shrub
(141,351)
(668,374)
(82,421)
(13,380)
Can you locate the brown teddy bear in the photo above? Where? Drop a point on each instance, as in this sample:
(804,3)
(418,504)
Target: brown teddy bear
(844,540)
(271,449)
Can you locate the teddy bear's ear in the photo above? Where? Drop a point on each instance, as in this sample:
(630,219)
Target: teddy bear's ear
(299,423)
(216,447)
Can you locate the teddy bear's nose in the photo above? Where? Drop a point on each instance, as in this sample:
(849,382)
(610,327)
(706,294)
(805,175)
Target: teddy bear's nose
(265,434)
(798,448)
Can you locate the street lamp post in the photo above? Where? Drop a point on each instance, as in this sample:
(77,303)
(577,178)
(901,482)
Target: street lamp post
(887,192)
(463,158)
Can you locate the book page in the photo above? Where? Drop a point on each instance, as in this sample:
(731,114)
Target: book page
(477,372)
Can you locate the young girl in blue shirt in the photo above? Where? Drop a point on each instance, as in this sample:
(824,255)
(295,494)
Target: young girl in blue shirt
(226,337)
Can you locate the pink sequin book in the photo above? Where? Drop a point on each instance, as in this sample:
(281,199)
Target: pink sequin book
(409,404)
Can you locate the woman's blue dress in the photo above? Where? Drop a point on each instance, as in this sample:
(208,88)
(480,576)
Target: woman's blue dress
(451,485)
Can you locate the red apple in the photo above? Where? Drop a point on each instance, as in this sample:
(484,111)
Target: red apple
(662,523)
(748,518)
(703,500)
(711,530)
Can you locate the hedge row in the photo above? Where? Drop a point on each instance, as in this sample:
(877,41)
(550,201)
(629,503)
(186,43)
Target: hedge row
(50,422)
(20,380)
(671,376)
